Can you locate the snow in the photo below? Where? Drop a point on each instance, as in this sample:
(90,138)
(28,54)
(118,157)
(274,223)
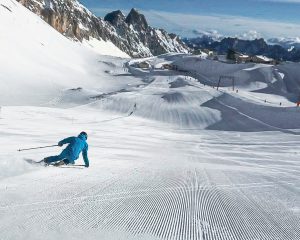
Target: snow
(281,75)
(146,176)
(42,73)
(171,157)
(291,48)
(256,66)
(104,47)
(81,26)
(264,58)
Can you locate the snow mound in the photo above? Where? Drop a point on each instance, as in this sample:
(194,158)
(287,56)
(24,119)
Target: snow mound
(173,97)
(163,104)
(178,83)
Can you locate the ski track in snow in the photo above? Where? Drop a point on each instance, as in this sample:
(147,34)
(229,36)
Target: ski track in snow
(149,179)
(199,186)
(155,172)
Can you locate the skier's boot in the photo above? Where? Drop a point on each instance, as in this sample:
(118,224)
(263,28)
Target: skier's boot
(45,163)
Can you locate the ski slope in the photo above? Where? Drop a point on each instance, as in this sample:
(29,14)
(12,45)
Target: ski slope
(171,157)
(147,180)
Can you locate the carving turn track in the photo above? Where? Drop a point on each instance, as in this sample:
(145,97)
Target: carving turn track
(209,185)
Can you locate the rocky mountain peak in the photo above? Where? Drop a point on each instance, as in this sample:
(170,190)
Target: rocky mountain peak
(115,17)
(173,35)
(131,34)
(143,39)
(137,20)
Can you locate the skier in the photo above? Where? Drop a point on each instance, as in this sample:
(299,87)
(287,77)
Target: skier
(71,152)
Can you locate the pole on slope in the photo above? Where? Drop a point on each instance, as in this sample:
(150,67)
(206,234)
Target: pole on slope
(219,83)
(26,149)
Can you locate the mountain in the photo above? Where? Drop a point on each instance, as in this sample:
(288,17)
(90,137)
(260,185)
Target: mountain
(251,47)
(144,39)
(287,43)
(131,34)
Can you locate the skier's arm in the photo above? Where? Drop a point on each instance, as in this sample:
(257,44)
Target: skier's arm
(85,157)
(66,140)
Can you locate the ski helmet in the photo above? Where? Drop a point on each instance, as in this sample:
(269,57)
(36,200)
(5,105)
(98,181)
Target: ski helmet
(85,134)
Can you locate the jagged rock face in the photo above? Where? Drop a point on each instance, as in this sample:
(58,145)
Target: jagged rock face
(67,16)
(137,20)
(146,41)
(74,21)
(116,18)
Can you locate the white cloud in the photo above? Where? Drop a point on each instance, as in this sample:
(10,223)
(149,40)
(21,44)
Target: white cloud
(212,33)
(185,24)
(250,35)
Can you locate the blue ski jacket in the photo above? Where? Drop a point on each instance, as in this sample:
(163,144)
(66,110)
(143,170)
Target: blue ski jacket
(75,147)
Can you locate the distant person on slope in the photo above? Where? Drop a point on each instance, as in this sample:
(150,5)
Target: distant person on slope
(72,151)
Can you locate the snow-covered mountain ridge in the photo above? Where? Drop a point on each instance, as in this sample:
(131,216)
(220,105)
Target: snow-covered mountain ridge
(215,36)
(287,43)
(144,39)
(75,21)
(279,49)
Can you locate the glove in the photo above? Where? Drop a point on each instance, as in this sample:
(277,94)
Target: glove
(86,165)
(60,144)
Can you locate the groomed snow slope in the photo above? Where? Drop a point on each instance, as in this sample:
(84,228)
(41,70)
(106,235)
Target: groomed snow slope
(162,179)
(171,157)
(147,180)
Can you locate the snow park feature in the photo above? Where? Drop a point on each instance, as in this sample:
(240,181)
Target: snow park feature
(171,156)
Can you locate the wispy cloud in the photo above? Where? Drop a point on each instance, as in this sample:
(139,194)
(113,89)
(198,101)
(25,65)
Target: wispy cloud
(185,24)
(188,25)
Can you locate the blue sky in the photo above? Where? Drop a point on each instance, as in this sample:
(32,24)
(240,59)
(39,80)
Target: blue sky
(266,18)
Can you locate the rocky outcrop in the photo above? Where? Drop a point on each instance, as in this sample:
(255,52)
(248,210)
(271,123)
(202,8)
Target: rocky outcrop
(116,18)
(146,41)
(137,20)
(131,34)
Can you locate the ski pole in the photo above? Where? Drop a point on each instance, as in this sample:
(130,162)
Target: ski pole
(25,149)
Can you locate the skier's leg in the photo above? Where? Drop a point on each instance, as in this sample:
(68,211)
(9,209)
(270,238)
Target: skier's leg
(57,158)
(60,163)
(63,162)
(52,159)
(67,161)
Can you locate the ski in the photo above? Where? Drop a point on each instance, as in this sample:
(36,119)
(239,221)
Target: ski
(41,163)
(31,161)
